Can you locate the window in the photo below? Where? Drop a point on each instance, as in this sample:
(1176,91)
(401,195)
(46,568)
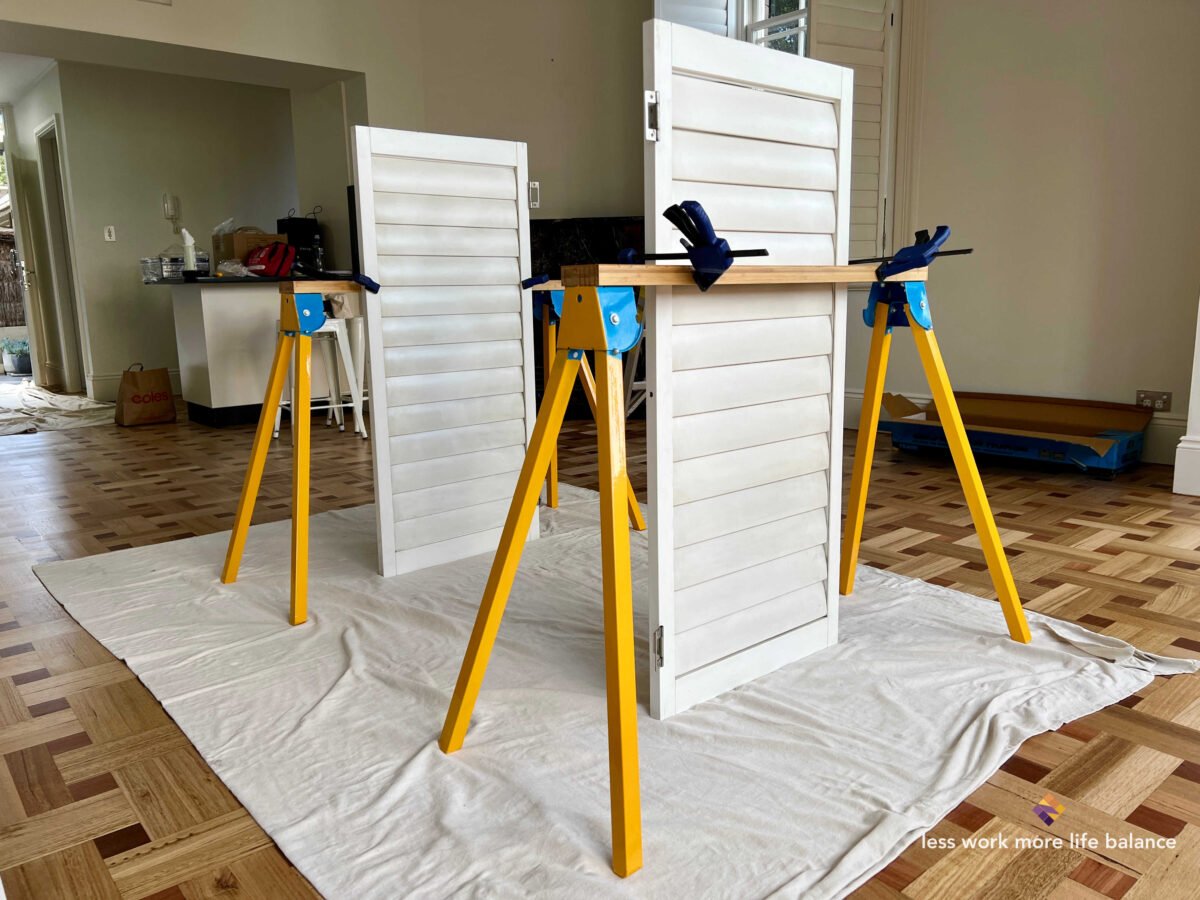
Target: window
(778,24)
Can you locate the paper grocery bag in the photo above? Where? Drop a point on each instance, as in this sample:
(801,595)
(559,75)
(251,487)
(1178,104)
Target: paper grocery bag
(144,397)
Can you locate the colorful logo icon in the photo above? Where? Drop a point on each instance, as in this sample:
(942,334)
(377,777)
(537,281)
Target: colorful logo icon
(1048,810)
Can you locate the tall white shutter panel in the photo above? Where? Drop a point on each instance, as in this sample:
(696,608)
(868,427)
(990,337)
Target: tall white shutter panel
(858,34)
(709,15)
(445,231)
(745,383)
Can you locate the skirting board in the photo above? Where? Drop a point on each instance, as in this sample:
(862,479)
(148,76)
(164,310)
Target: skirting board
(1162,436)
(104,387)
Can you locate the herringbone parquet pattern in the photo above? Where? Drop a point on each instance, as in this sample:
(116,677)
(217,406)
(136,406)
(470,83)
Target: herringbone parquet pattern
(102,796)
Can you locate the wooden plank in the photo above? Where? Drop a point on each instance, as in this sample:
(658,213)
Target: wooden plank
(616,274)
(165,862)
(64,827)
(74,872)
(106,756)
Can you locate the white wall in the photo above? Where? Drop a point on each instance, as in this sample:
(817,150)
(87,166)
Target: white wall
(224,149)
(377,37)
(1059,139)
(565,77)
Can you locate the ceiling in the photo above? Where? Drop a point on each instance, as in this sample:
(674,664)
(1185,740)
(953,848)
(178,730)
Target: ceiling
(18,73)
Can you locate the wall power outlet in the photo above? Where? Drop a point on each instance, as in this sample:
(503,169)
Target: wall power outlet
(1159,401)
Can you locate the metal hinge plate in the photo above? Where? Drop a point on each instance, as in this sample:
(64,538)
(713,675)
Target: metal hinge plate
(650,115)
(658,647)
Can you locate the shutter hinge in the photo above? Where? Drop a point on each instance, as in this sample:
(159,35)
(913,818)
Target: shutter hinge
(535,194)
(658,647)
(650,115)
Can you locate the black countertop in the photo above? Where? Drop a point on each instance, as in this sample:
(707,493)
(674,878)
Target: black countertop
(209,280)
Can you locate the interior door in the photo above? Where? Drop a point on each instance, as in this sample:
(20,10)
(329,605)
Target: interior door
(58,248)
(745,383)
(444,229)
(23,246)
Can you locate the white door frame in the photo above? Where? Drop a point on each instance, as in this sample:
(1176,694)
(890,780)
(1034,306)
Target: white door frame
(61,252)
(33,312)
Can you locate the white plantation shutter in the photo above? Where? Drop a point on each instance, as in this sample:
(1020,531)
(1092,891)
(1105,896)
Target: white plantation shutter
(445,231)
(744,382)
(715,16)
(859,34)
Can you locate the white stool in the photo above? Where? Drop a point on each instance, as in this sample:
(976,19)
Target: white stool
(333,341)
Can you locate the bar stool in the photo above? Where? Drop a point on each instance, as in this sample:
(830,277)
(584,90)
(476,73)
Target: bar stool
(337,353)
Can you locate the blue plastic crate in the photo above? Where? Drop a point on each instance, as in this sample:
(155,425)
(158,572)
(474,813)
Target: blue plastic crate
(1123,455)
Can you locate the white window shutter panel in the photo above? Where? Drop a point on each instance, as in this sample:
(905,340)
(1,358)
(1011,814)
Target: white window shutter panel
(859,34)
(709,15)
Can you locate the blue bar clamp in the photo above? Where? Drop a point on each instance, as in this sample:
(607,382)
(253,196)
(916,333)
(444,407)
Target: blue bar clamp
(899,294)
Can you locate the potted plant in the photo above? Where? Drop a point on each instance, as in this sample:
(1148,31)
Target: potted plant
(16,356)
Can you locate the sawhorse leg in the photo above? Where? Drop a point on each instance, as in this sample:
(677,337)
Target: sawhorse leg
(589,391)
(258,459)
(549,349)
(968,474)
(620,673)
(864,449)
(618,598)
(301,426)
(508,553)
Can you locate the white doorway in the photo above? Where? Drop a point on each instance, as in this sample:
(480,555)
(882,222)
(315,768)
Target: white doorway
(63,364)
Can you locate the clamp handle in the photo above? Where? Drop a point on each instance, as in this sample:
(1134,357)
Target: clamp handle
(918,256)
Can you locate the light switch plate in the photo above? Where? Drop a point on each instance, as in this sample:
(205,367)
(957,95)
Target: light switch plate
(110,232)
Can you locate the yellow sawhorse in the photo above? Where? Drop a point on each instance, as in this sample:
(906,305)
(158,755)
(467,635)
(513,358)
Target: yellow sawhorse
(885,315)
(300,314)
(583,327)
(549,347)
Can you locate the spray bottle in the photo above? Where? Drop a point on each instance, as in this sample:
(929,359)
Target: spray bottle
(189,251)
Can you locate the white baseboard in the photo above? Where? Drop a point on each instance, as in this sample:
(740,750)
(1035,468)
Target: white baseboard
(1162,436)
(104,387)
(1187,466)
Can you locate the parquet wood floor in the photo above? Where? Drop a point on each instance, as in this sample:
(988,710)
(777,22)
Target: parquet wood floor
(102,796)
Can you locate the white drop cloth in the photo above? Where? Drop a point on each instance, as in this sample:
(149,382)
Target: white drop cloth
(800,784)
(25,407)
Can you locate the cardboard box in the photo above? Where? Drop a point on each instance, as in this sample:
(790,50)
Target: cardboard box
(1104,438)
(239,244)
